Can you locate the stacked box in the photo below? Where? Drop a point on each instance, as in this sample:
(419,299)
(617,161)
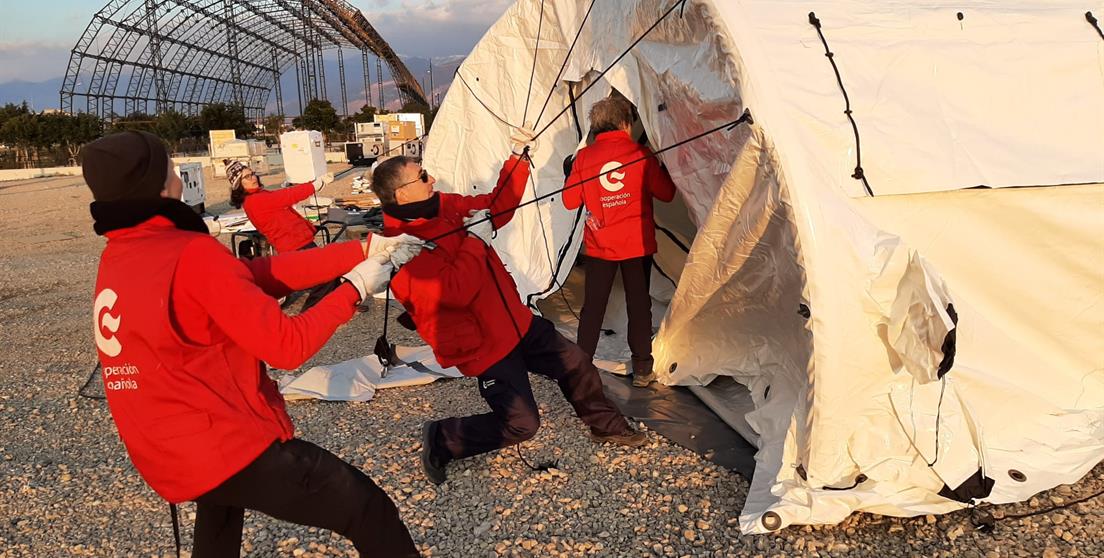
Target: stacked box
(304,155)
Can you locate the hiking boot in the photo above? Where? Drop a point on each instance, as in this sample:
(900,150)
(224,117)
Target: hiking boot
(433,466)
(629,438)
(642,380)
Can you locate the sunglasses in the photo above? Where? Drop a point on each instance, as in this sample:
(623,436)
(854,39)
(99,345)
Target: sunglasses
(423,176)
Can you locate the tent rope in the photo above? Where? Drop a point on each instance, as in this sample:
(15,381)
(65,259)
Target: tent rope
(1095,23)
(745,118)
(533,72)
(612,64)
(567,57)
(859,174)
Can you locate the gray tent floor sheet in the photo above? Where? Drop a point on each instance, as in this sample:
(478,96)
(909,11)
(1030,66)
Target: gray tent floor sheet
(676,413)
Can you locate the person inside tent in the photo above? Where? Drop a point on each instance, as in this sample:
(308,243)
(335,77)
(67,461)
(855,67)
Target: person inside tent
(620,227)
(465,305)
(183,330)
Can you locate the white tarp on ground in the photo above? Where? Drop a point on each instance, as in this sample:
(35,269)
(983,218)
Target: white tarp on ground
(829,304)
(359,378)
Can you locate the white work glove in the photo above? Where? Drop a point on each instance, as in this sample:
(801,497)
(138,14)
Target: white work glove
(482,230)
(370,276)
(403,253)
(379,244)
(521,138)
(322,181)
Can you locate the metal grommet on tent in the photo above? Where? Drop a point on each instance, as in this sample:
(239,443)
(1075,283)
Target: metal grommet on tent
(861,479)
(674,365)
(1017,475)
(771,521)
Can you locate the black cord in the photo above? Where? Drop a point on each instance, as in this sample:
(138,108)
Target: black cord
(83,391)
(541,466)
(745,118)
(612,64)
(1089,17)
(480,101)
(986,523)
(858,175)
(938,414)
(563,66)
(533,72)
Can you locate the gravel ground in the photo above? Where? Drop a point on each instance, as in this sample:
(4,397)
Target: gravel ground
(68,488)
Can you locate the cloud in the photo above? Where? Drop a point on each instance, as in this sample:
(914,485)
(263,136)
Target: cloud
(32,60)
(435,27)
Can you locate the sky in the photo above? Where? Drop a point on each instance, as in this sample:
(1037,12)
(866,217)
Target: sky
(35,42)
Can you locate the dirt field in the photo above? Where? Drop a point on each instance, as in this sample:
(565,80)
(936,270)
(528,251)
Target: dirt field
(68,488)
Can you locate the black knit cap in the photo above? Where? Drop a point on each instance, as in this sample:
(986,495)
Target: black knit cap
(125,166)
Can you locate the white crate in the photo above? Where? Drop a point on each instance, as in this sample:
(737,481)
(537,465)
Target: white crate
(191,174)
(304,155)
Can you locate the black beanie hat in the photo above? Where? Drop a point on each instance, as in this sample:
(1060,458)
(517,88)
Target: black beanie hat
(125,166)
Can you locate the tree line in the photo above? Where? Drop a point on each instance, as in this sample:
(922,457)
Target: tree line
(30,139)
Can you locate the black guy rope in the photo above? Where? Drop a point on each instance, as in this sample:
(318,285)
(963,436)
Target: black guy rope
(83,391)
(985,522)
(1095,23)
(563,66)
(480,101)
(533,72)
(745,118)
(614,63)
(858,175)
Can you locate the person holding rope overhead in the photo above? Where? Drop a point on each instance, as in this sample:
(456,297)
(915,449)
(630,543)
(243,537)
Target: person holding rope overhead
(183,330)
(464,304)
(620,228)
(273,213)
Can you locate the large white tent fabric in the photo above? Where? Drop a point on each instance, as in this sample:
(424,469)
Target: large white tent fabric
(832,305)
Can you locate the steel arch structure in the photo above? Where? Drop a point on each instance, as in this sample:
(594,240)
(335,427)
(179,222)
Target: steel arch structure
(184,54)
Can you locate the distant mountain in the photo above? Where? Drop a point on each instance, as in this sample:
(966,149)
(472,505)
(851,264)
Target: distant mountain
(40,95)
(44,94)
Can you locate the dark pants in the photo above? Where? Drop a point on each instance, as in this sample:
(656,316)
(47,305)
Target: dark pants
(514,417)
(299,482)
(636,278)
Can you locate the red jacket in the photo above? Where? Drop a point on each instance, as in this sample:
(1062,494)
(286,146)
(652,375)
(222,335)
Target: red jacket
(182,328)
(621,200)
(272,213)
(450,291)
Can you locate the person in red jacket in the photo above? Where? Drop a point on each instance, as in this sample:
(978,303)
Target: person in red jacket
(620,227)
(183,331)
(272,212)
(465,305)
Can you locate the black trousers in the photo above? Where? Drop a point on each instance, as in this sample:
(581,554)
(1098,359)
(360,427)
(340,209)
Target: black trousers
(505,387)
(636,277)
(299,482)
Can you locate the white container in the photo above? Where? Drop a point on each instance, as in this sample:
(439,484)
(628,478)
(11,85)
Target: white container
(304,155)
(195,193)
(257,147)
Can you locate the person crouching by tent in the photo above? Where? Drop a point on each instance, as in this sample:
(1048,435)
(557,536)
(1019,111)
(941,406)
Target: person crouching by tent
(183,330)
(464,304)
(620,227)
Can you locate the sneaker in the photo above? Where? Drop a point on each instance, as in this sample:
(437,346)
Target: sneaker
(433,467)
(642,380)
(629,438)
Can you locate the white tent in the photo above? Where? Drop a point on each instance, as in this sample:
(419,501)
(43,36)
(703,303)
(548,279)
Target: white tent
(831,304)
